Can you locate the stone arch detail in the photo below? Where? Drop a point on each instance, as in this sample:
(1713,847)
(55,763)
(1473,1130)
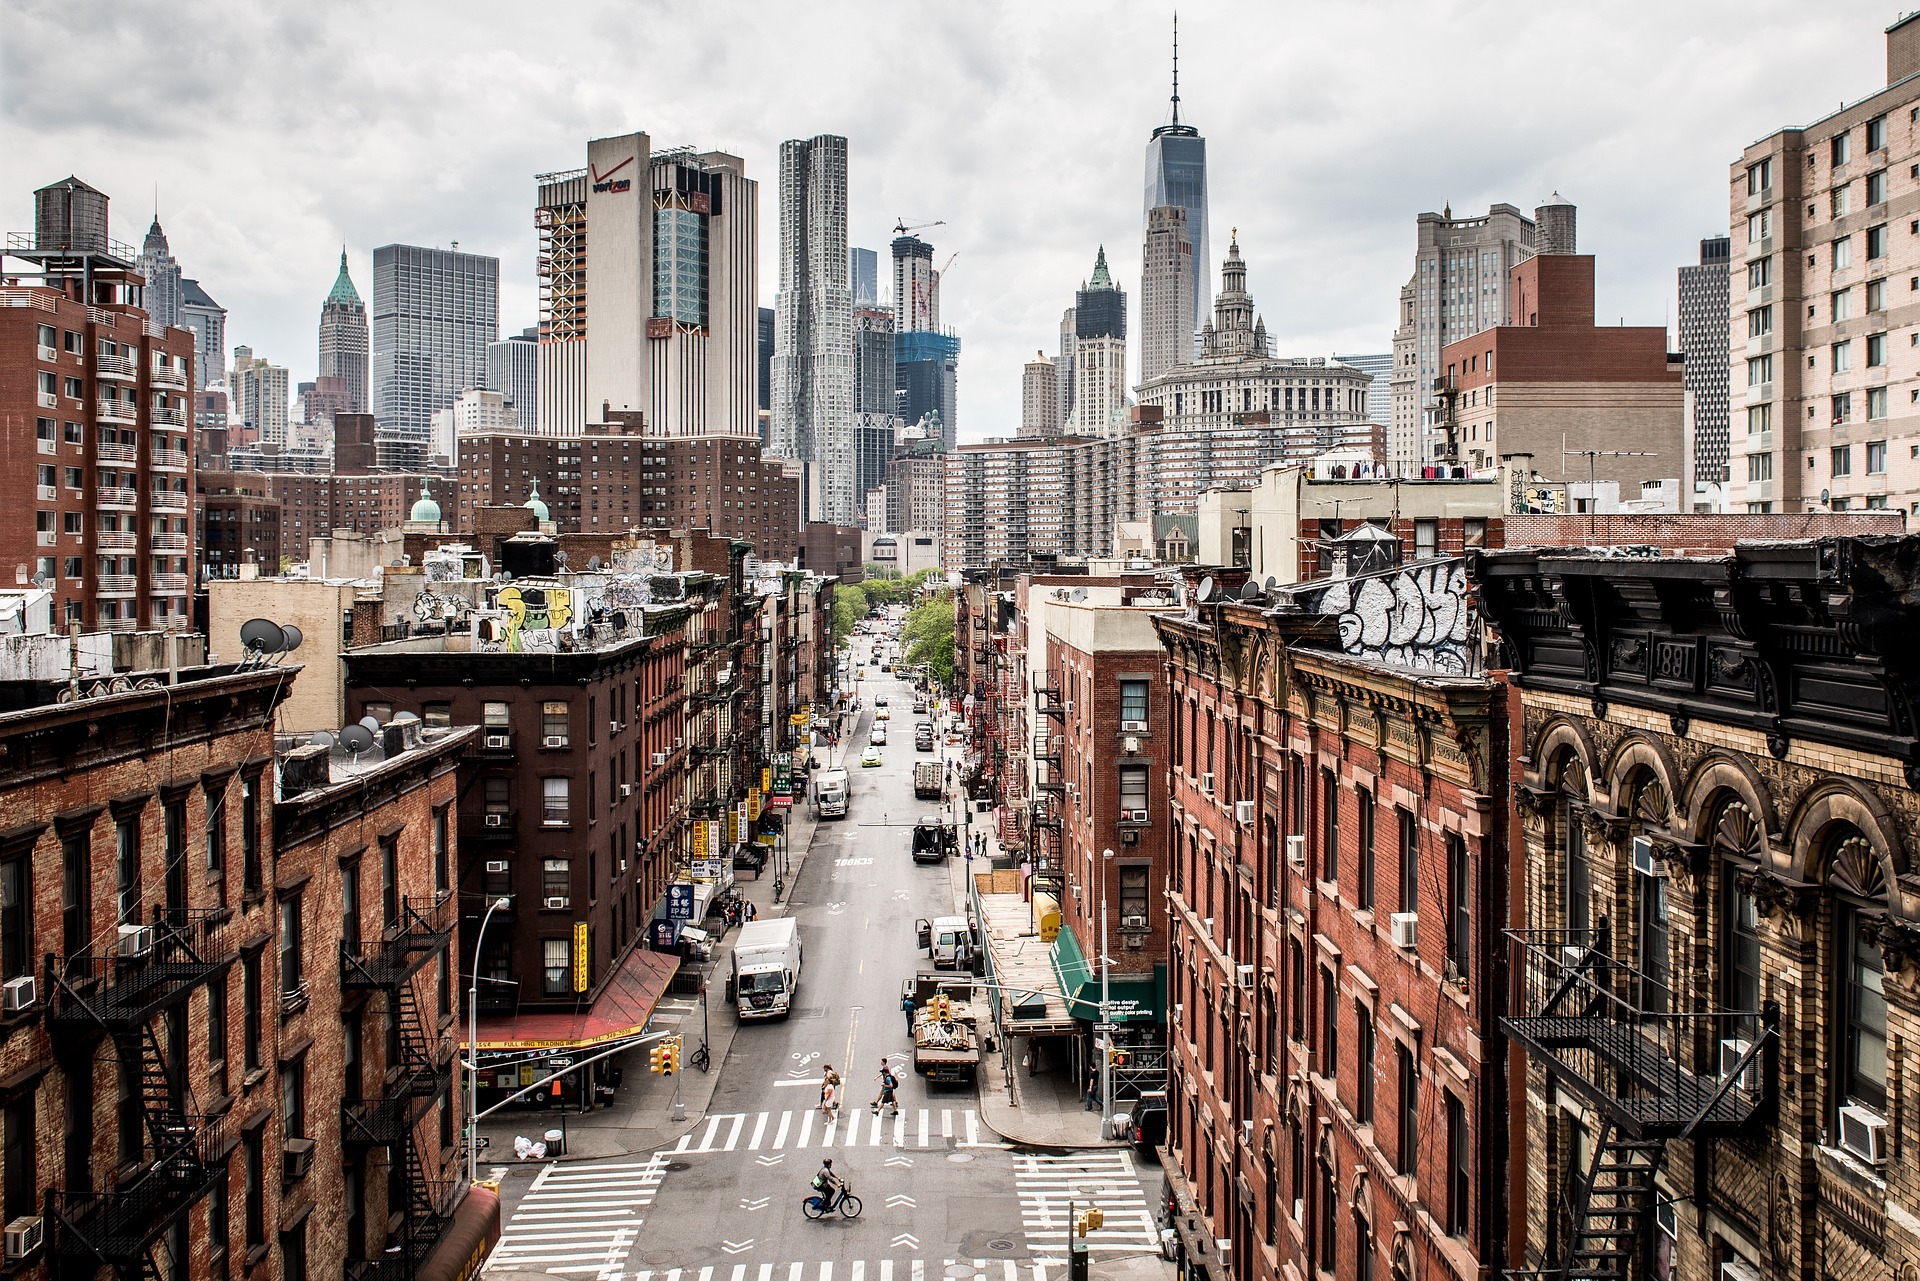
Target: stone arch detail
(1837,800)
(1635,752)
(1717,772)
(1559,736)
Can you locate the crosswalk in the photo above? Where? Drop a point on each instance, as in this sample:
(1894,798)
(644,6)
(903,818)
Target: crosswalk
(809,1128)
(861,1270)
(579,1220)
(1051,1186)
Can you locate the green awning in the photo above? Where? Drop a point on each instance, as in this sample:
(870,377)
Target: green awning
(1131,998)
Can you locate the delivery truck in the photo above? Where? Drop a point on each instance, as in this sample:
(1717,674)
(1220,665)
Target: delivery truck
(946,1036)
(830,793)
(926,780)
(932,839)
(766,968)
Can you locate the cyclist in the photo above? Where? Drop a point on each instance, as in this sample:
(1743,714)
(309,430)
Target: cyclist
(829,1185)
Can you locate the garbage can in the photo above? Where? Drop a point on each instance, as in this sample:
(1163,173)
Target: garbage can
(556,1142)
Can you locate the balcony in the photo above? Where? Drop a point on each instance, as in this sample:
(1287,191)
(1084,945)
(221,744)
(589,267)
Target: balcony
(117,496)
(164,542)
(169,417)
(118,989)
(120,1227)
(395,957)
(170,500)
(117,367)
(118,624)
(116,453)
(169,583)
(115,411)
(118,584)
(114,541)
(169,376)
(172,459)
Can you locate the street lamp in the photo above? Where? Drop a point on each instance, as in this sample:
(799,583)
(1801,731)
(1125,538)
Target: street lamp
(473,1042)
(1106,1019)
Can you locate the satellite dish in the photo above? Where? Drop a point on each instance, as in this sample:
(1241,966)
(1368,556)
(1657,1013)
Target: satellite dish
(356,738)
(1251,591)
(293,637)
(1079,593)
(1273,584)
(321,739)
(262,636)
(1204,592)
(369,724)
(593,562)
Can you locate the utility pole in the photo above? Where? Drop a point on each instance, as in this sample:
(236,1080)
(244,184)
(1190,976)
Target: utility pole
(1593,456)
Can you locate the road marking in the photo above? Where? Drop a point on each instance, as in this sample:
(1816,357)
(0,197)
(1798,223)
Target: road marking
(731,1247)
(754,1203)
(811,1080)
(780,1138)
(900,1160)
(770,1160)
(899,1199)
(911,1242)
(973,1129)
(923,1127)
(806,1129)
(759,1129)
(946,1123)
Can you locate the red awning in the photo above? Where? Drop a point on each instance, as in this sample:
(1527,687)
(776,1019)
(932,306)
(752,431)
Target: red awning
(464,1245)
(621,1010)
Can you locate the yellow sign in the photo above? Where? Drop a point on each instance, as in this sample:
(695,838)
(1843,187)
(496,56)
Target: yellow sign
(766,778)
(580,951)
(733,827)
(699,840)
(753,804)
(798,718)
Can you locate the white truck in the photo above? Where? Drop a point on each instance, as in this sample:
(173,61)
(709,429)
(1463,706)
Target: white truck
(766,968)
(830,793)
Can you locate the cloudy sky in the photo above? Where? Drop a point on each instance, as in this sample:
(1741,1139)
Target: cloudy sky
(275,132)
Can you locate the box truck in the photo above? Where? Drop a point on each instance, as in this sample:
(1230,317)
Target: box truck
(766,968)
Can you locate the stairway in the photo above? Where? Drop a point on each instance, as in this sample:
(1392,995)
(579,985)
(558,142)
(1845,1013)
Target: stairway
(1610,1206)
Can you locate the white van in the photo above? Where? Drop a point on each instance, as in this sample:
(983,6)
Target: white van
(944,936)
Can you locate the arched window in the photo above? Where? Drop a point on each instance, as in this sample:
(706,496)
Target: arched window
(1362,1247)
(1576,876)
(1329,1208)
(1854,871)
(1648,809)
(1737,846)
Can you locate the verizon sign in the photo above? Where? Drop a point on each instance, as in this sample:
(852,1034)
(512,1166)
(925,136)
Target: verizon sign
(607,183)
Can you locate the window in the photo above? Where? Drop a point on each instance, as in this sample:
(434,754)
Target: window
(1842,253)
(1759,176)
(1840,148)
(250,833)
(557,966)
(1877,241)
(556,879)
(1842,460)
(390,881)
(218,1229)
(553,802)
(1759,226)
(1876,295)
(1760,273)
(127,871)
(1409,861)
(1473,531)
(497,795)
(292,977)
(1329,1025)
(1459,1189)
(1877,134)
(1876,408)
(442,867)
(1876,350)
(553,724)
(1863,1059)
(1329,825)
(250,1010)
(1577,884)
(1841,407)
(256,1188)
(18,1158)
(1841,200)
(1759,418)
(1426,539)
(1363,808)
(1363,1066)
(1133,790)
(1741,941)
(493,715)
(1759,370)
(1407,1149)
(1841,305)
(1133,701)
(1655,953)
(217,1034)
(76,895)
(1329,1215)
(293,1097)
(1459,896)
(1759,322)
(436,715)
(1842,356)
(1296,991)
(1877,187)
(1759,467)
(16,917)
(1877,449)
(293,1253)
(1135,896)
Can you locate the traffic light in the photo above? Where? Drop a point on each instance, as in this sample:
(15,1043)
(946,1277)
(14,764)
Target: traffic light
(670,1060)
(1090,1219)
(1116,1056)
(657,1059)
(942,1006)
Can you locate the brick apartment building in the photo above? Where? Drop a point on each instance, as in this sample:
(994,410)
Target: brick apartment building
(100,413)
(238,523)
(315,504)
(1715,987)
(1338,847)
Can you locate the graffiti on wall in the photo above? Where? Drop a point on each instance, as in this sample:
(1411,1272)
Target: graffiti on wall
(1419,617)
(535,616)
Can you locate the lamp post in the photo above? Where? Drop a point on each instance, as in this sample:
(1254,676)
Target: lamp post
(473,1043)
(1106,1019)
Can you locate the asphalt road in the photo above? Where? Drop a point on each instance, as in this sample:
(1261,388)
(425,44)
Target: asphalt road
(944,1198)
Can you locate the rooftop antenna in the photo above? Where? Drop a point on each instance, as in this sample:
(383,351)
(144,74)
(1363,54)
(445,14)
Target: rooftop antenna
(1176,66)
(1592,456)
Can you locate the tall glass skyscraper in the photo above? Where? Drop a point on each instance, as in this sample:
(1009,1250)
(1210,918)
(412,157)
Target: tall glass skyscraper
(434,312)
(1177,175)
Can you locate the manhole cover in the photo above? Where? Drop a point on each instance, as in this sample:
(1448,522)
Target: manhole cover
(1000,1243)
(960,1158)
(676,1166)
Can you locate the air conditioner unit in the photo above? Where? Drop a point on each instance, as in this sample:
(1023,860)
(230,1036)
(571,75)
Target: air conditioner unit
(1137,921)
(1132,746)
(613,727)
(25,1235)
(626,789)
(1133,727)
(1068,707)
(555,904)
(659,759)
(498,740)
(295,1156)
(1738,1270)
(494,820)
(1297,850)
(1643,860)
(1406,929)
(1135,816)
(678,742)
(623,867)
(1730,1052)
(1863,1134)
(1206,784)
(20,994)
(1243,812)
(136,940)
(554,740)
(498,865)
(1245,973)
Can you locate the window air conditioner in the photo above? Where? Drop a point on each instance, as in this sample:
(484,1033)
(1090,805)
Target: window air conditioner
(1245,973)
(1243,812)
(498,865)
(1643,861)
(1863,1134)
(1206,784)
(1297,850)
(498,740)
(678,742)
(1137,921)
(1406,929)
(558,904)
(659,759)
(135,940)
(295,1156)
(495,820)
(1135,816)
(1730,1052)
(626,789)
(20,994)
(25,1235)
(554,740)
(623,867)
(613,727)
(1133,727)
(1131,746)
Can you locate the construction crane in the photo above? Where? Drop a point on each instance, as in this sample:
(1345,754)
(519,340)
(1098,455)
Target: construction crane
(946,266)
(901,226)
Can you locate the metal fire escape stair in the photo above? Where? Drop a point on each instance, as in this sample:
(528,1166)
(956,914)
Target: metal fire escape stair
(1608,1209)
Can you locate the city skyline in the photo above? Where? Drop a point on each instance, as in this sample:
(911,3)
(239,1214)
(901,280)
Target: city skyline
(1336,218)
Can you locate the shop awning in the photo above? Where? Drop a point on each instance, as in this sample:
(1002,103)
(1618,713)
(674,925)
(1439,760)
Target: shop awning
(1131,998)
(467,1239)
(621,1010)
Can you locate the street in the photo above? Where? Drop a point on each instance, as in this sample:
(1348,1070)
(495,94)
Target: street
(944,1197)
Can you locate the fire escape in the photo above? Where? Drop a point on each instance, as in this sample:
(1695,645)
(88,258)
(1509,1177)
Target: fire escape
(419,1075)
(149,972)
(1650,1071)
(1049,789)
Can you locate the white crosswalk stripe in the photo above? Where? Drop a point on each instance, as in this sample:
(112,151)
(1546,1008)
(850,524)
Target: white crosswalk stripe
(579,1220)
(908,1269)
(804,1128)
(1048,1185)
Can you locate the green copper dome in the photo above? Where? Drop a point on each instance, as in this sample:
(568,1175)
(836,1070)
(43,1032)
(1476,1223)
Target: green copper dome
(534,505)
(1102,279)
(343,290)
(425,510)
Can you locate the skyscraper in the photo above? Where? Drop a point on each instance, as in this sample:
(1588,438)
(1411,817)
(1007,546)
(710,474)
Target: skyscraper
(926,358)
(208,320)
(812,411)
(343,340)
(875,427)
(863,277)
(1166,292)
(163,294)
(1705,297)
(1380,390)
(1177,175)
(1100,354)
(560,365)
(434,312)
(258,392)
(513,370)
(764,354)
(1040,397)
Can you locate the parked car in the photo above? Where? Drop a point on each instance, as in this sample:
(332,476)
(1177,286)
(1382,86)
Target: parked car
(1147,1122)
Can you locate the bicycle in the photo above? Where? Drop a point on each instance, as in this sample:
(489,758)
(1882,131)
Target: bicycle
(779,888)
(702,1059)
(817,1207)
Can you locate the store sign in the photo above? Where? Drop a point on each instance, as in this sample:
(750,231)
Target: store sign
(753,804)
(581,955)
(680,901)
(699,840)
(606,183)
(706,869)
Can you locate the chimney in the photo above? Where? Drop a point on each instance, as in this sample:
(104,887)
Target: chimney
(305,768)
(1903,48)
(366,622)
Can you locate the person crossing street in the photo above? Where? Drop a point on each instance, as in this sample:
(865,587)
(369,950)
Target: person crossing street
(888,1084)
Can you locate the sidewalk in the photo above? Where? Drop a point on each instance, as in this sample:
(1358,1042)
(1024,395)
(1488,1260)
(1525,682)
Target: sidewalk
(1044,1110)
(640,1118)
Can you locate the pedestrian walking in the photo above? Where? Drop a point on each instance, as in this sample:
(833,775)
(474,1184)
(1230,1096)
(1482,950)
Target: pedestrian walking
(830,1093)
(753,913)
(888,1084)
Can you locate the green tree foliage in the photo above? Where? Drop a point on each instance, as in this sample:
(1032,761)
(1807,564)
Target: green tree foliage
(928,637)
(849,607)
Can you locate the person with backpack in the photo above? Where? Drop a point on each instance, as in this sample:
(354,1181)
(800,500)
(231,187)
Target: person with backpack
(830,1093)
(888,1084)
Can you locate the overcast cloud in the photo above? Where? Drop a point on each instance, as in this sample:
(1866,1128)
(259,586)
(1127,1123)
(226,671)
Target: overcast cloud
(278,131)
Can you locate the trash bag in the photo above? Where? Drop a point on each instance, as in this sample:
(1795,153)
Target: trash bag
(527,1149)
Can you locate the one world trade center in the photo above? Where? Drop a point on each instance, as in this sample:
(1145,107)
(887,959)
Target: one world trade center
(1177,175)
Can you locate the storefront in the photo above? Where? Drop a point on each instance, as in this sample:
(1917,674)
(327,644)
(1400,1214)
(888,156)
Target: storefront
(1136,1012)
